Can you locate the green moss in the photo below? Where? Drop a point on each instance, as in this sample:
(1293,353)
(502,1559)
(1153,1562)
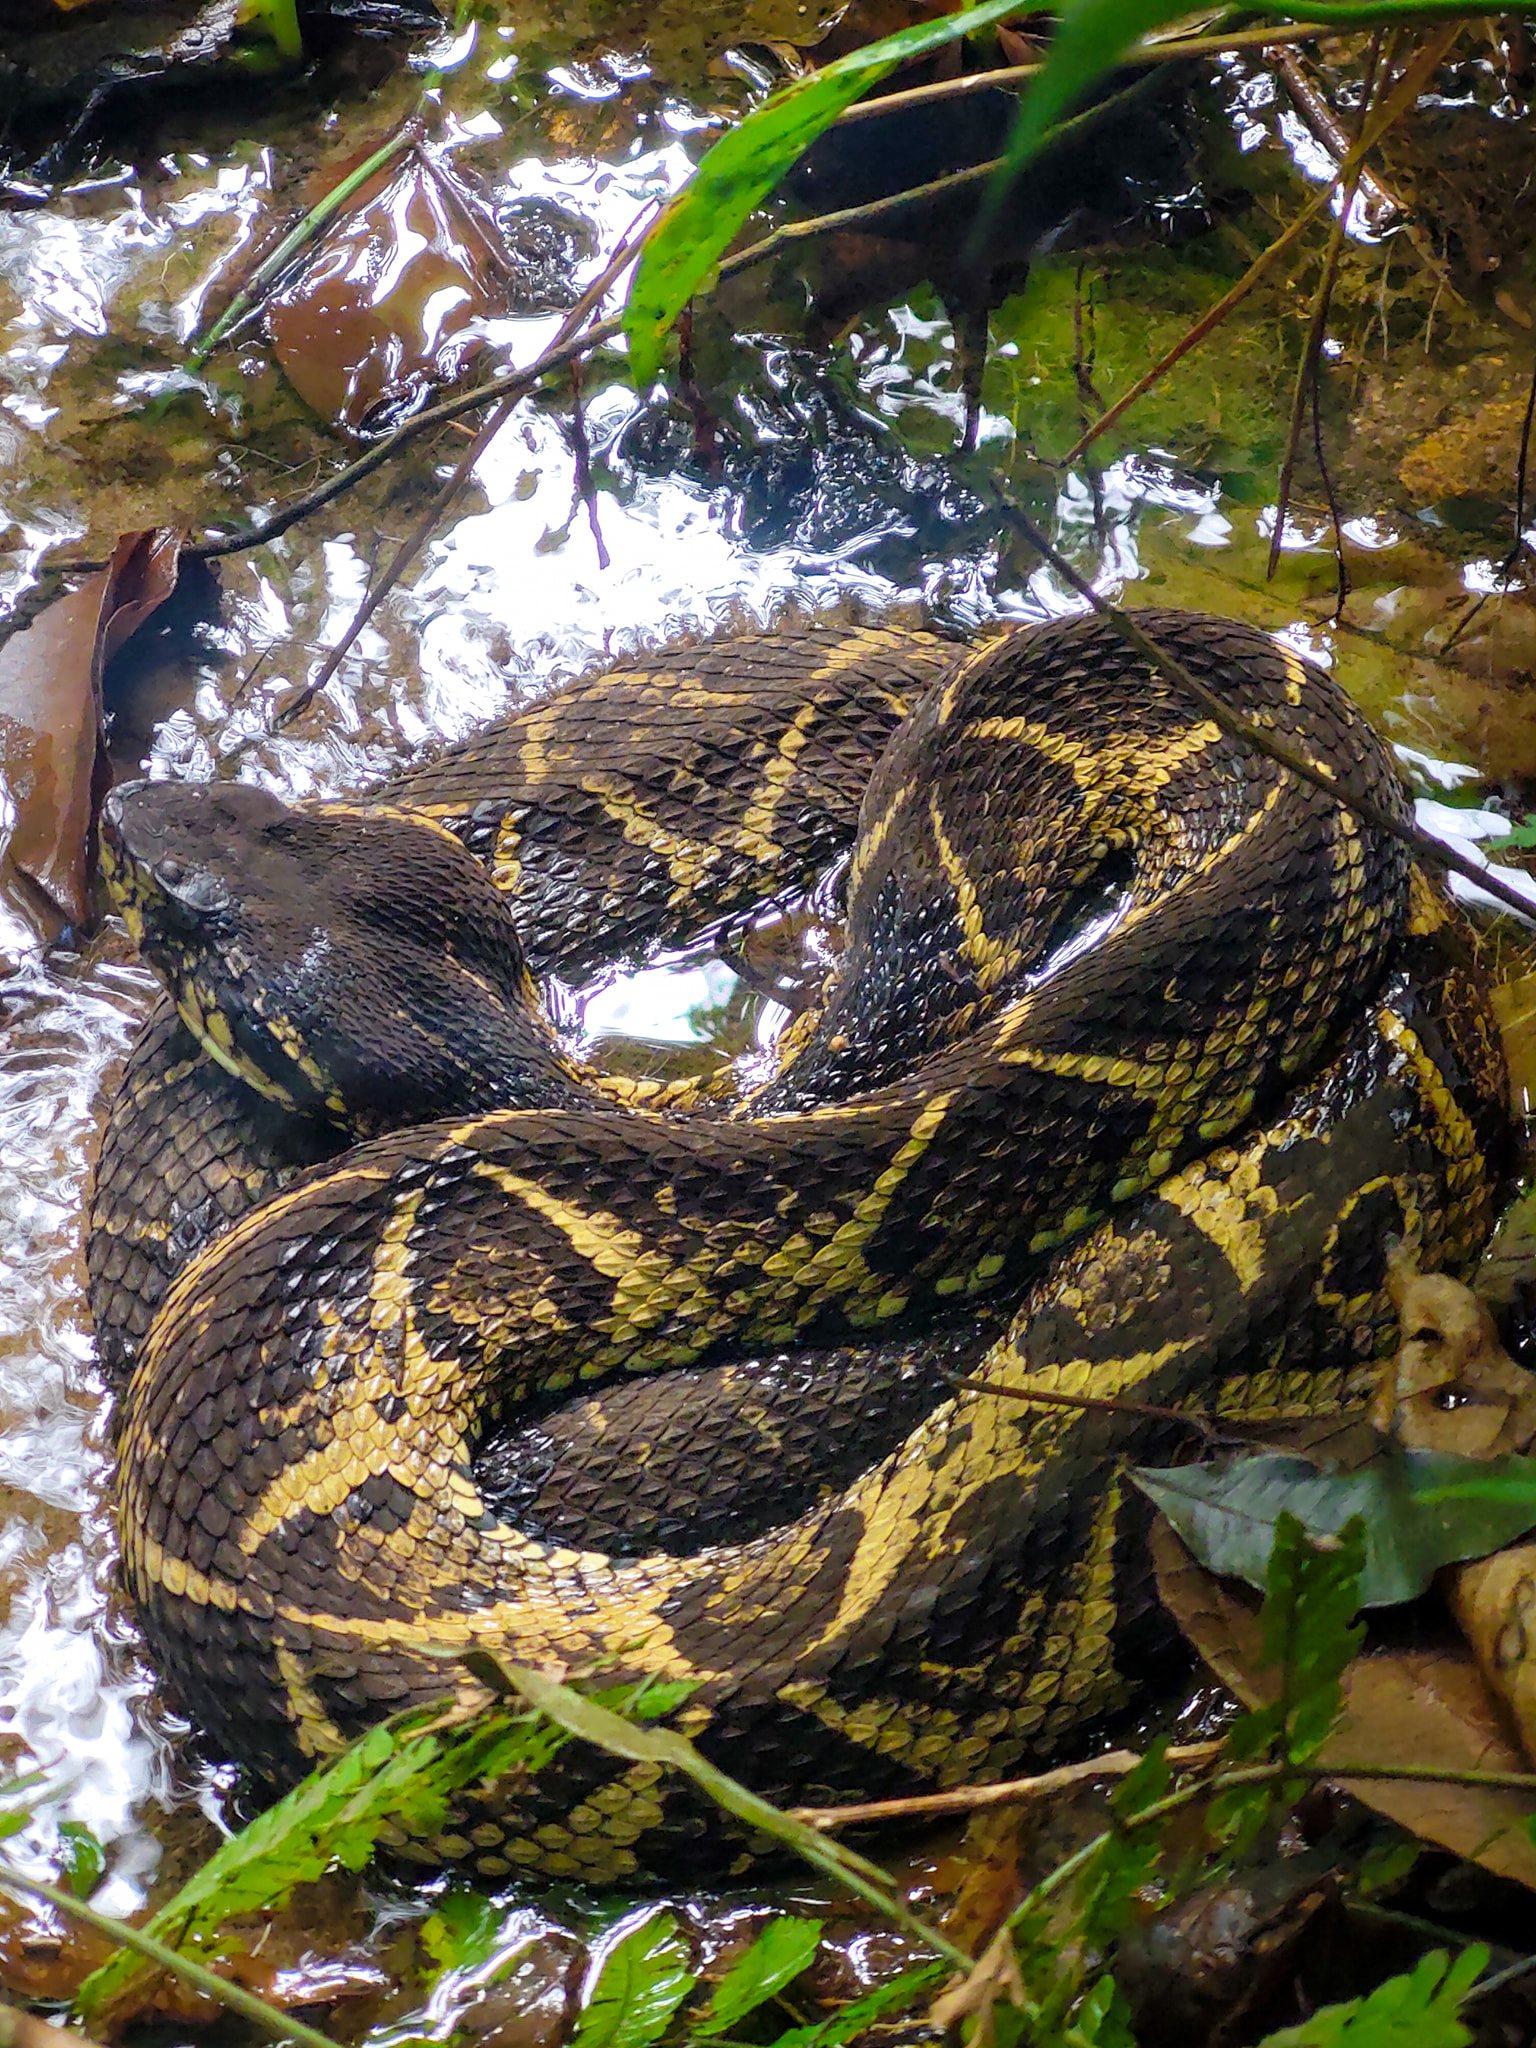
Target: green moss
(1222,407)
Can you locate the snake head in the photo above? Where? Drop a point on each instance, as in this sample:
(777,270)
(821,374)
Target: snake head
(352,962)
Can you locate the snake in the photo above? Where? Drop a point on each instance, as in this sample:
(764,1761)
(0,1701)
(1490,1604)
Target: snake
(809,1394)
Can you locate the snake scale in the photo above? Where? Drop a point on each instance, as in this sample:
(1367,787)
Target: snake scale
(1138,1053)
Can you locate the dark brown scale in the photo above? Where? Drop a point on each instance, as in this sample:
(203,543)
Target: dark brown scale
(1165,1163)
(719,1455)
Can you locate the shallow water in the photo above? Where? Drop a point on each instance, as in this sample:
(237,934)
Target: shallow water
(842,488)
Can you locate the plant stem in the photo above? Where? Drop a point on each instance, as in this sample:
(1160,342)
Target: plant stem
(416,539)
(1273,1773)
(1173,50)
(235,1996)
(582,1716)
(1116,1763)
(1309,361)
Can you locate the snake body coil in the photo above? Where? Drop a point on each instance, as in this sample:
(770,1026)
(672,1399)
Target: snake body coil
(1139,1052)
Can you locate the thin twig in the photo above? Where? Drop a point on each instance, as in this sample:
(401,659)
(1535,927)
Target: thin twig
(1119,1763)
(389,576)
(1341,583)
(221,1989)
(1312,347)
(1415,76)
(1115,1763)
(419,534)
(1102,1404)
(1325,124)
(516,384)
(581,456)
(1278,750)
(1500,1980)
(1277,1773)
(1173,50)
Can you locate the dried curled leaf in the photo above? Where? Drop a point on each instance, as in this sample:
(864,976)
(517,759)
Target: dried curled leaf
(53,770)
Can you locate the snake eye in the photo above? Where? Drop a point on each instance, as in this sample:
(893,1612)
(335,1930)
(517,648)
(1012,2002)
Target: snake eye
(196,892)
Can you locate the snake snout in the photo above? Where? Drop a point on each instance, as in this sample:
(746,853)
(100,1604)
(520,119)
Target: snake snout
(117,807)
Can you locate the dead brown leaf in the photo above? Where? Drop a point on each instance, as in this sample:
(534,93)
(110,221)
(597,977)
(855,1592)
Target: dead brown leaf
(1426,1706)
(994,1981)
(53,769)
(1451,1386)
(389,305)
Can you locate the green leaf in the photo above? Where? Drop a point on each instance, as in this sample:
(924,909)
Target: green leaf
(1520,838)
(83,1860)
(462,1933)
(1420,1510)
(1309,1629)
(13,1816)
(1090,41)
(400,1776)
(854,2020)
(686,244)
(783,1949)
(644,1979)
(1103,2018)
(1094,35)
(1419,2009)
(1107,1891)
(398,1779)
(1385,1866)
(1310,1635)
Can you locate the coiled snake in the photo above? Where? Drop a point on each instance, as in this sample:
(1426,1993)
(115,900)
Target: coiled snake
(1139,1051)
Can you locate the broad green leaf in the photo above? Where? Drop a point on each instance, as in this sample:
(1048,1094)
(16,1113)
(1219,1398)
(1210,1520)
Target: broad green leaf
(1420,1509)
(1419,2009)
(900,1994)
(684,247)
(83,1860)
(783,1949)
(643,1980)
